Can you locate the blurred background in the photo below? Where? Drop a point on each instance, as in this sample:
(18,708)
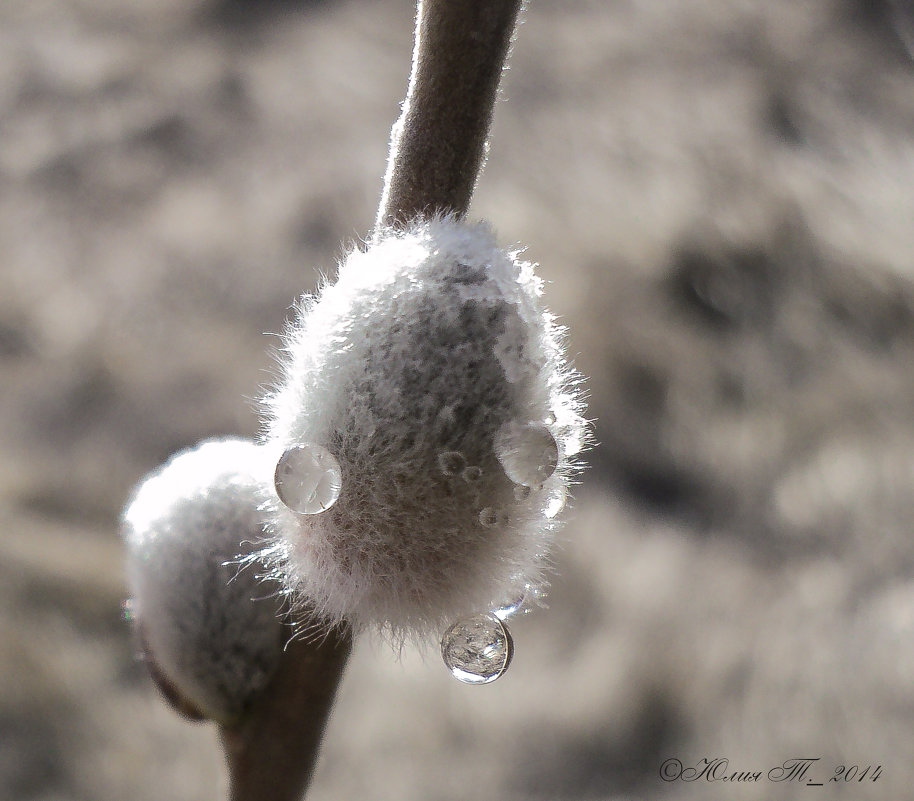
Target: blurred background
(721,196)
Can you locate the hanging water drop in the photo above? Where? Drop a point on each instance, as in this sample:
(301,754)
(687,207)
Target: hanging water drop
(478,649)
(527,452)
(489,517)
(451,463)
(521,602)
(511,607)
(308,479)
(128,610)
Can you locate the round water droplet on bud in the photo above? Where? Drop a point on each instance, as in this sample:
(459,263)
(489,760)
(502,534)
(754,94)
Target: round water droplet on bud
(308,479)
(451,463)
(478,649)
(527,452)
(472,474)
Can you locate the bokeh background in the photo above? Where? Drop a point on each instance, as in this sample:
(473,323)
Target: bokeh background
(721,195)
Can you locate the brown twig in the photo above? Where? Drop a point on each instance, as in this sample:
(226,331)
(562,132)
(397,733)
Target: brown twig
(438,143)
(272,750)
(437,147)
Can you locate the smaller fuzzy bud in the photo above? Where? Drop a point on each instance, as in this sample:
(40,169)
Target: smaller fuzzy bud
(430,425)
(211,631)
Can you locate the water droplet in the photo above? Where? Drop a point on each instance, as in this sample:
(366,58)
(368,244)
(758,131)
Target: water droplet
(521,493)
(478,649)
(521,602)
(128,610)
(451,463)
(308,479)
(527,452)
(511,607)
(555,502)
(472,474)
(489,517)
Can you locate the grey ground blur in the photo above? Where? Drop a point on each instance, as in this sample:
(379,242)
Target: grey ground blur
(721,194)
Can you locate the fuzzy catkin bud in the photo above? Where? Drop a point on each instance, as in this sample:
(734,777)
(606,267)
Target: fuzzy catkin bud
(416,370)
(213,635)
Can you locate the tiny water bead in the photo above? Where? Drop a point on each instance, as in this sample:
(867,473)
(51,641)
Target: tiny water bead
(128,610)
(451,463)
(478,649)
(521,493)
(527,452)
(512,607)
(308,479)
(520,603)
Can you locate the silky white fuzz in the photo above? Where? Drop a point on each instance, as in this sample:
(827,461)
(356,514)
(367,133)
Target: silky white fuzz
(212,633)
(430,344)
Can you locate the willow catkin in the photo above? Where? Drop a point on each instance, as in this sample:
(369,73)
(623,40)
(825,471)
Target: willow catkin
(433,375)
(211,629)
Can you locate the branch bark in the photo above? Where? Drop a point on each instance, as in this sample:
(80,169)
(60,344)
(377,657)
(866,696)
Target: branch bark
(438,143)
(271,752)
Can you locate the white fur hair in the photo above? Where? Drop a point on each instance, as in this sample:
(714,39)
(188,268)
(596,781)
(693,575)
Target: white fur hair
(209,626)
(428,343)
